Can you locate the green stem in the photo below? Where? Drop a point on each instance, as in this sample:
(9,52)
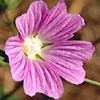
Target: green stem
(92,82)
(11,23)
(4,26)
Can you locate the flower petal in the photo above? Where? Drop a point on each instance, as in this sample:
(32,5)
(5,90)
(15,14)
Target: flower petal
(29,23)
(13,45)
(66,59)
(18,62)
(44,80)
(59,26)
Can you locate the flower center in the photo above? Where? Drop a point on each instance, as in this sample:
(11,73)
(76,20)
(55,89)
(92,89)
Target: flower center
(31,47)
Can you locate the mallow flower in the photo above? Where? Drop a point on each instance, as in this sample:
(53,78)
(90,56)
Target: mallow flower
(42,52)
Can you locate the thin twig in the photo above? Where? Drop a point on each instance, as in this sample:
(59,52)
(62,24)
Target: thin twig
(45,97)
(11,23)
(97,41)
(8,95)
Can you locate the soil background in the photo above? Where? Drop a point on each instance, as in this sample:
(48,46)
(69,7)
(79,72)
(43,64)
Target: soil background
(90,11)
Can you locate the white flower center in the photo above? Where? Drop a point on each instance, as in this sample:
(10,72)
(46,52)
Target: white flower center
(31,47)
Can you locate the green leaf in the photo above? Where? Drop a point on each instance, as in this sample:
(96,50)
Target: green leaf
(8,4)
(2,54)
(1,91)
(3,5)
(11,3)
(13,98)
(2,63)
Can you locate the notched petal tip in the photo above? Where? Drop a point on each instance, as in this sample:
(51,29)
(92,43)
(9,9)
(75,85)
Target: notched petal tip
(79,18)
(82,20)
(61,3)
(40,3)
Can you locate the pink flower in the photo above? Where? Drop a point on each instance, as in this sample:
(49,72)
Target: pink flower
(64,58)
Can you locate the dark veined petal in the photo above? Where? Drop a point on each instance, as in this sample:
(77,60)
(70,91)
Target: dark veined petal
(66,58)
(18,62)
(29,23)
(44,80)
(59,26)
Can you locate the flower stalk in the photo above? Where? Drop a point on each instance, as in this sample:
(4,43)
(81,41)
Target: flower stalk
(92,82)
(11,93)
(11,23)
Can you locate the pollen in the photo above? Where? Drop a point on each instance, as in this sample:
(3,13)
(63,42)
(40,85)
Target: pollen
(31,47)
